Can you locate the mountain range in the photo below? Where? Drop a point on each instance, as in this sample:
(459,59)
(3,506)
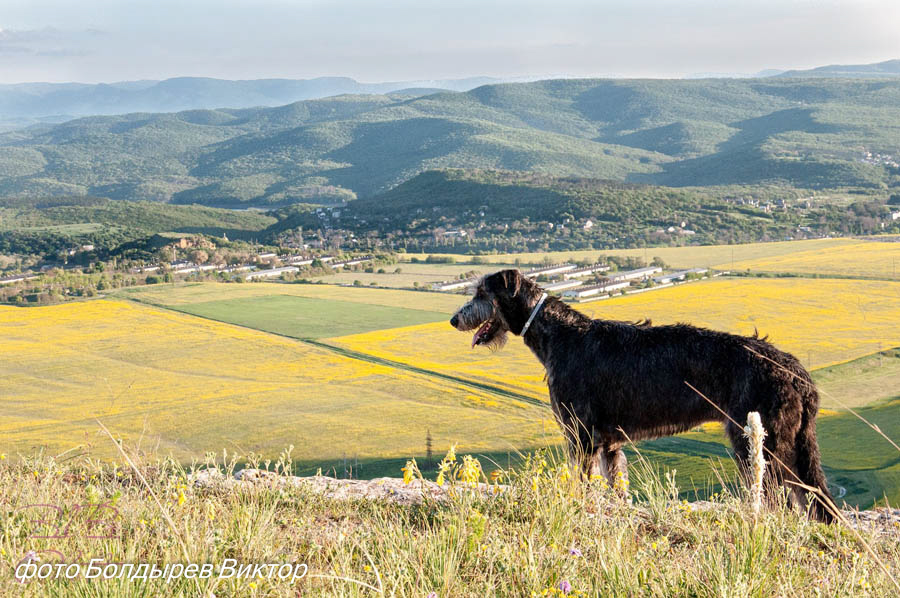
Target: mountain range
(802,132)
(23,104)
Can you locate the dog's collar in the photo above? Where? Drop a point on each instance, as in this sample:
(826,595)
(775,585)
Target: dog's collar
(534,313)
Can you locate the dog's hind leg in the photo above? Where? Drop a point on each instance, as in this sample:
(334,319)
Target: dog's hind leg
(616,469)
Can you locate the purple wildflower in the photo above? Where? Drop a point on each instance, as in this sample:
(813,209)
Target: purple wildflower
(432,595)
(575,552)
(565,586)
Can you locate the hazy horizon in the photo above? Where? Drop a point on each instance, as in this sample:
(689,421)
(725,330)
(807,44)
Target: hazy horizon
(397,40)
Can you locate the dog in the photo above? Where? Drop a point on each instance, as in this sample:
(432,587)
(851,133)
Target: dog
(613,382)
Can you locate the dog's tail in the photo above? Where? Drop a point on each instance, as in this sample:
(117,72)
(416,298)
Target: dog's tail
(809,465)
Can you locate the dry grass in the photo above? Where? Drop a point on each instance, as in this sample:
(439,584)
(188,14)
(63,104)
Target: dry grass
(545,533)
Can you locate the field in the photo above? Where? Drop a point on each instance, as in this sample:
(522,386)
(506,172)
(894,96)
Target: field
(175,383)
(157,375)
(411,274)
(863,258)
(707,256)
(306,317)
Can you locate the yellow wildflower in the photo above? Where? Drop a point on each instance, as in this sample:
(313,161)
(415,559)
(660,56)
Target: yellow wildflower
(409,471)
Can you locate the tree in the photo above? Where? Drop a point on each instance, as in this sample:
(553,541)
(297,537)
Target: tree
(429,453)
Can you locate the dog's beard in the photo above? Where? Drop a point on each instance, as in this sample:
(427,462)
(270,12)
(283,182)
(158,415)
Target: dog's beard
(496,342)
(491,334)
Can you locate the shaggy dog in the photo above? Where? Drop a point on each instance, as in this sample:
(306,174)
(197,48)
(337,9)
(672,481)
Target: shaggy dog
(612,382)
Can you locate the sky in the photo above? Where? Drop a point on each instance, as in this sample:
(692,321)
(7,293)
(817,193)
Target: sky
(399,40)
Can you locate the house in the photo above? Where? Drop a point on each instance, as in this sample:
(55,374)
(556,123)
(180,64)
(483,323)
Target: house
(586,271)
(595,289)
(549,270)
(639,274)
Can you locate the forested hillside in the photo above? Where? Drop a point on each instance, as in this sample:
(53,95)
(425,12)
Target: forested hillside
(808,133)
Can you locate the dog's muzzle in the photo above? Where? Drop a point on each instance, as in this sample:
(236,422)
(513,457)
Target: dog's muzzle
(454,321)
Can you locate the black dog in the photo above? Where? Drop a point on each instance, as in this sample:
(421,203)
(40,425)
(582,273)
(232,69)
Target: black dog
(611,381)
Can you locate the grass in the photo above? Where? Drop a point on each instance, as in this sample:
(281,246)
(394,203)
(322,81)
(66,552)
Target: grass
(544,533)
(305,317)
(860,382)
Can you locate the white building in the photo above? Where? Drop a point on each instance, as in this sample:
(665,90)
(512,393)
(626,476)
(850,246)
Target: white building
(586,271)
(595,289)
(18,278)
(271,273)
(352,262)
(639,274)
(454,285)
(562,285)
(549,270)
(679,275)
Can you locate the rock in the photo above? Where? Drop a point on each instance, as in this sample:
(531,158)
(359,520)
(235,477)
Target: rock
(391,489)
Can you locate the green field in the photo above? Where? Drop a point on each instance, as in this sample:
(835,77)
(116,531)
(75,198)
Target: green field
(304,317)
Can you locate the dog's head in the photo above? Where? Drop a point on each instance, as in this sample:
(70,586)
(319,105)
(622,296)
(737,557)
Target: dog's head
(502,303)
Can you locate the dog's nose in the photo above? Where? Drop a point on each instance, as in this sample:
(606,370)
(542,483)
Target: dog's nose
(454,321)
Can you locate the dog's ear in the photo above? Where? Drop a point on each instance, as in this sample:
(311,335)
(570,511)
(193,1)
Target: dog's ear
(506,282)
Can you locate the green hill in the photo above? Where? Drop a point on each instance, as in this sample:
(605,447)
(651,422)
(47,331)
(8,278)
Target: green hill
(811,133)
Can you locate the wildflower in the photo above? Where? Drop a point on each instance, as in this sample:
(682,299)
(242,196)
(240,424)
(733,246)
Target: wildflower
(409,471)
(252,585)
(565,586)
(2,456)
(432,595)
(181,497)
(470,472)
(367,568)
(575,552)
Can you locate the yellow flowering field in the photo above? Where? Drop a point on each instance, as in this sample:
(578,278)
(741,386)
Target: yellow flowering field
(864,258)
(708,256)
(176,383)
(821,321)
